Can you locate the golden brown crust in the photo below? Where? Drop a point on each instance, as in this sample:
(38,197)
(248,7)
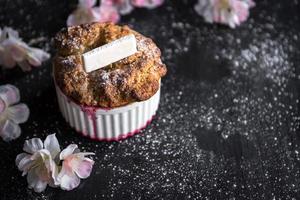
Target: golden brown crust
(135,78)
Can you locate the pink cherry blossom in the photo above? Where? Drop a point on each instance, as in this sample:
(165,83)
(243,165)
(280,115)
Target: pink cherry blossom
(11,113)
(14,51)
(38,162)
(147,3)
(108,11)
(74,167)
(86,12)
(229,12)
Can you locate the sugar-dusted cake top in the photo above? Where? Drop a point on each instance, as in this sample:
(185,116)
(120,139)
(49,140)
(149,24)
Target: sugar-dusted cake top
(135,78)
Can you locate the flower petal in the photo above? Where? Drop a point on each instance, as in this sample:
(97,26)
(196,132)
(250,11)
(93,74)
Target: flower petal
(150,4)
(68,180)
(9,94)
(107,13)
(18,113)
(54,174)
(205,9)
(71,21)
(6,59)
(36,56)
(84,168)
(43,154)
(44,170)
(34,182)
(139,3)
(20,157)
(12,34)
(68,151)
(124,7)
(33,145)
(24,162)
(82,154)
(34,61)
(2,106)
(10,131)
(83,15)
(51,144)
(17,51)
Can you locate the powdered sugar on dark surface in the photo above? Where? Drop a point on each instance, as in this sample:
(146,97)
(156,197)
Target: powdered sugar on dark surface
(228,122)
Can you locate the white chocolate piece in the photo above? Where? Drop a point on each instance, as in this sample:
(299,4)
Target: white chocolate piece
(109,53)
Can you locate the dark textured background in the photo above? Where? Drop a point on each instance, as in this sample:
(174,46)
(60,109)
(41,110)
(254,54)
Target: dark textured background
(228,123)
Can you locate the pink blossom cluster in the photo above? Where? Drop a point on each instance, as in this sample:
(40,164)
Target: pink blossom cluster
(45,164)
(13,51)
(108,11)
(228,12)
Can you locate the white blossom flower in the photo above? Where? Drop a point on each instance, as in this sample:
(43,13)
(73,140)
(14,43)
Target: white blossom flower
(86,12)
(11,113)
(14,51)
(229,12)
(38,162)
(75,166)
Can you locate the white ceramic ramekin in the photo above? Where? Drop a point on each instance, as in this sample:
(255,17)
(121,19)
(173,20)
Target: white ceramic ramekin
(108,124)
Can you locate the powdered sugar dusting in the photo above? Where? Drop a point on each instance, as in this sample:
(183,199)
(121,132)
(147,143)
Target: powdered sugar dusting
(227,126)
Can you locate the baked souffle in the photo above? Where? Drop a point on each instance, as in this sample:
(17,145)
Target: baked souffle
(132,79)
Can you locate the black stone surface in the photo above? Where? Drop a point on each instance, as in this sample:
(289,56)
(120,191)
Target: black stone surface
(228,123)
